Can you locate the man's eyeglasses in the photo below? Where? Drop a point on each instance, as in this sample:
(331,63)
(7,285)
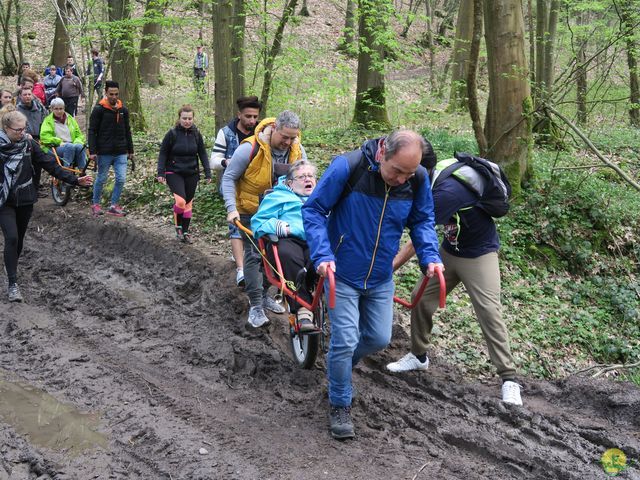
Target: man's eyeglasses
(305,176)
(18,130)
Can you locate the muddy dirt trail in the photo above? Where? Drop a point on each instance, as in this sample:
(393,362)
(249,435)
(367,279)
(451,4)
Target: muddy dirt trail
(140,346)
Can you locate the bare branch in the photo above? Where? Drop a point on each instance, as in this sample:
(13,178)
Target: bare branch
(593,148)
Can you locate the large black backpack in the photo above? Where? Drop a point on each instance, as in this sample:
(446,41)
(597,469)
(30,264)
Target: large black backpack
(359,165)
(486,179)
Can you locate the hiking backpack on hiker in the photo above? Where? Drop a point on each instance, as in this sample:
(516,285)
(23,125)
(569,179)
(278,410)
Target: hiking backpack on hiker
(484,178)
(359,165)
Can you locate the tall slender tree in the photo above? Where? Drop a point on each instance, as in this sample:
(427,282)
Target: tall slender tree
(581,70)
(460,63)
(274,51)
(123,61)
(150,58)
(507,124)
(9,59)
(346,42)
(371,107)
(61,41)
(237,48)
(630,18)
(222,61)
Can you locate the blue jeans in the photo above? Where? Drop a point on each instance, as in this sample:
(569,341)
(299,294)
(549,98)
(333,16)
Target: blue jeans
(72,152)
(360,325)
(119,163)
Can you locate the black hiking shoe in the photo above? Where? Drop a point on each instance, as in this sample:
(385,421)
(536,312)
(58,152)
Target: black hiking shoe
(340,423)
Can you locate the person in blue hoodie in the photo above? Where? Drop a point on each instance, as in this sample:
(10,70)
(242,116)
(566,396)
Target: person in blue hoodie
(280,214)
(354,221)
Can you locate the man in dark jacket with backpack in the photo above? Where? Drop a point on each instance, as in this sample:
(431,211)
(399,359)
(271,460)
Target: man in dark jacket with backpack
(469,252)
(353,221)
(111,143)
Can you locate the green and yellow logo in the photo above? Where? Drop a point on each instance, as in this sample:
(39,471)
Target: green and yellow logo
(613,461)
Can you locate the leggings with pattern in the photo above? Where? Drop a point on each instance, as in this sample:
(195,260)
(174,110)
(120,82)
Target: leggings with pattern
(183,188)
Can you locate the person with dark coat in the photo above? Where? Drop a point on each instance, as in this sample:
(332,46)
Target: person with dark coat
(18,154)
(70,90)
(110,143)
(181,149)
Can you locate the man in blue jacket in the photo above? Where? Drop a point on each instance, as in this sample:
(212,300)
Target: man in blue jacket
(371,194)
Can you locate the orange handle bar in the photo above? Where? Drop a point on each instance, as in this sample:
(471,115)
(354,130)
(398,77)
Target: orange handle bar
(423,285)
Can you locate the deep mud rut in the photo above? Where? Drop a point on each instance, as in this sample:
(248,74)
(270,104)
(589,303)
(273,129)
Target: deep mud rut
(147,336)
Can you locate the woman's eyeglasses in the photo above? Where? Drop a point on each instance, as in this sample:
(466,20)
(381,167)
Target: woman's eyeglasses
(305,176)
(18,130)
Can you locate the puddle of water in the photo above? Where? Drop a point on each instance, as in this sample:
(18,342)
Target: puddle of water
(47,422)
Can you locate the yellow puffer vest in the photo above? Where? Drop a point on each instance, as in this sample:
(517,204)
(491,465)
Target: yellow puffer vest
(258,176)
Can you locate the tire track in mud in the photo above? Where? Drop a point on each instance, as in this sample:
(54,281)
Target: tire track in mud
(151,333)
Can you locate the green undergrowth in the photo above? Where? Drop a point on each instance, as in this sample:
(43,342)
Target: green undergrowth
(569,257)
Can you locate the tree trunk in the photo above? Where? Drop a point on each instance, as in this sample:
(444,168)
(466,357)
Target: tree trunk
(276,46)
(61,41)
(371,108)
(474,53)
(549,49)
(237,48)
(150,54)
(429,43)
(346,43)
(627,15)
(414,5)
(304,11)
(222,64)
(460,63)
(10,62)
(541,35)
(532,43)
(123,63)
(18,21)
(581,74)
(508,124)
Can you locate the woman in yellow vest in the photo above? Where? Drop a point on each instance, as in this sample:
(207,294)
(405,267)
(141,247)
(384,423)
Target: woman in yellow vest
(254,168)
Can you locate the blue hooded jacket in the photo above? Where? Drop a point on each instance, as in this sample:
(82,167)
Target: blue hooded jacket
(361,231)
(282,206)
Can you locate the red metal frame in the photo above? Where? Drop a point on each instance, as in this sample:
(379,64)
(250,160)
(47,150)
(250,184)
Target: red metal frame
(423,285)
(280,283)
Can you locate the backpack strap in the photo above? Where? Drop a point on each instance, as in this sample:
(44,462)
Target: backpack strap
(255,147)
(440,176)
(357,168)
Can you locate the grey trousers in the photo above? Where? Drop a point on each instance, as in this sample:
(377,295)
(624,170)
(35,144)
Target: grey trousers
(252,267)
(481,278)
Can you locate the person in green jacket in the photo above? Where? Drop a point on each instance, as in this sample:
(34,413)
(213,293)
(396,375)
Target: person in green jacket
(60,130)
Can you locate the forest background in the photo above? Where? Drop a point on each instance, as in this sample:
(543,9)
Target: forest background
(547,88)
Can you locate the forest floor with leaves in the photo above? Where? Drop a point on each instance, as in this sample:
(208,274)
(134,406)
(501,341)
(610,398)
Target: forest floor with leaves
(140,345)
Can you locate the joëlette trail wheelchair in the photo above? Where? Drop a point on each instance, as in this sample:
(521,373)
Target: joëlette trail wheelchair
(61,191)
(306,345)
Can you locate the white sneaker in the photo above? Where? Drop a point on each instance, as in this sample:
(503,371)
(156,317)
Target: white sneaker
(271,305)
(257,318)
(240,278)
(511,393)
(407,363)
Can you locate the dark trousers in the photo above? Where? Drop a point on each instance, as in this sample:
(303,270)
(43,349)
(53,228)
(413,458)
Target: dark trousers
(14,222)
(71,105)
(294,256)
